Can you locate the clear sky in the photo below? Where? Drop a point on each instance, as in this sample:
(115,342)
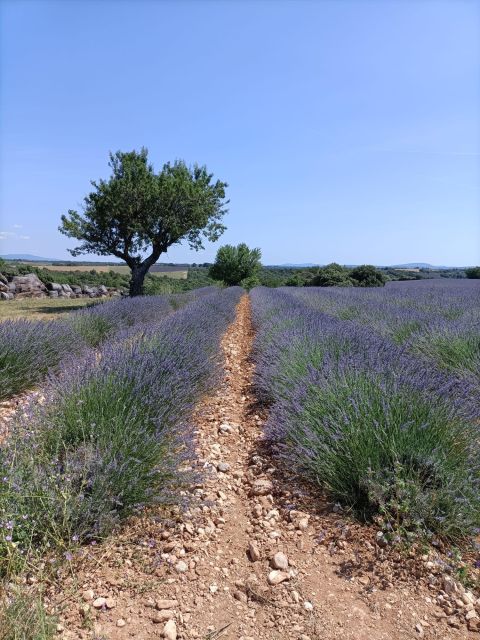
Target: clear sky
(347,130)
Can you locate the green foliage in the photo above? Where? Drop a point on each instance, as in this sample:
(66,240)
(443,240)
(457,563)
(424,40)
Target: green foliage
(378,457)
(458,352)
(138,211)
(250,283)
(23,617)
(332,275)
(235,264)
(367,275)
(473,273)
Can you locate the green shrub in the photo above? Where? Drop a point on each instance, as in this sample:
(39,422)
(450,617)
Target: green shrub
(367,275)
(473,273)
(332,275)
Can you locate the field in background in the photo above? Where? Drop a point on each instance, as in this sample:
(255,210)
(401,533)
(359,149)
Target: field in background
(41,308)
(180,274)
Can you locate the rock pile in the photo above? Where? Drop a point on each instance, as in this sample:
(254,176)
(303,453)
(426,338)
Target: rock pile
(30,286)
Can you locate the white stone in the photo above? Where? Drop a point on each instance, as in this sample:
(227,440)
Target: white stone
(276,577)
(170,630)
(280,561)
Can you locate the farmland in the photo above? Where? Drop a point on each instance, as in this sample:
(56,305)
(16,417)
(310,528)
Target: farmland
(123,269)
(196,451)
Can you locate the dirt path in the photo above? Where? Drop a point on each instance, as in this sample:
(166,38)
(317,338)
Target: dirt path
(258,559)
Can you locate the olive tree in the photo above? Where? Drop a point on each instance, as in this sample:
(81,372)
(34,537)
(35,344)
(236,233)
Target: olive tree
(137,214)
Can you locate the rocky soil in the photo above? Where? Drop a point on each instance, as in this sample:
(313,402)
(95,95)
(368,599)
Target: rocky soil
(255,557)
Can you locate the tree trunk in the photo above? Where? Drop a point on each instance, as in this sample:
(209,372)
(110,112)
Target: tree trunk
(136,280)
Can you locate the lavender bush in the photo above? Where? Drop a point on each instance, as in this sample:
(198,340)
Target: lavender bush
(113,433)
(438,320)
(28,349)
(386,434)
(98,323)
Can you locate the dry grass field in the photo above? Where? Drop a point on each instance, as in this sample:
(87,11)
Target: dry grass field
(181,274)
(40,308)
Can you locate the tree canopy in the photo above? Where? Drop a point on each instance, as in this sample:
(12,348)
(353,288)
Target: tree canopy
(366,275)
(334,275)
(473,272)
(137,212)
(234,265)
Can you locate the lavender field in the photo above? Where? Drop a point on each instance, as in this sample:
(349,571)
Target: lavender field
(374,397)
(119,382)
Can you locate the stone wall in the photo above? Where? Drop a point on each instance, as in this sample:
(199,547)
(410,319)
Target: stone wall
(30,286)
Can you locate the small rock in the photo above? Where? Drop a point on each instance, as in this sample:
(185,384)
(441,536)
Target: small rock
(88,595)
(181,566)
(99,603)
(60,628)
(276,577)
(308,606)
(110,603)
(364,580)
(302,524)
(162,616)
(453,622)
(471,615)
(253,552)
(280,561)
(166,604)
(121,622)
(240,596)
(223,467)
(170,630)
(419,630)
(449,585)
(262,487)
(474,625)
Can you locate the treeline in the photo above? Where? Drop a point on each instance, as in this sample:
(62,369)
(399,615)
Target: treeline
(154,284)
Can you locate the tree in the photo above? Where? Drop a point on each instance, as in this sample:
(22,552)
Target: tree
(473,273)
(367,275)
(138,211)
(234,264)
(332,275)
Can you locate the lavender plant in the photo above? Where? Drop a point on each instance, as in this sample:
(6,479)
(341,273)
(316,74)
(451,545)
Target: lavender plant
(113,434)
(380,430)
(29,349)
(438,320)
(98,323)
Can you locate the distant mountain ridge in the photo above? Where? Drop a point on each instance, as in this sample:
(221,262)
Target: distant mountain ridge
(292,265)
(421,265)
(27,256)
(407,265)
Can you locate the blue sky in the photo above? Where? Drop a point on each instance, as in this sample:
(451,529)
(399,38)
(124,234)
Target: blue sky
(347,131)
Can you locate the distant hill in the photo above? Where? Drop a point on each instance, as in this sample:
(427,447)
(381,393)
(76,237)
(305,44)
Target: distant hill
(421,265)
(26,256)
(292,265)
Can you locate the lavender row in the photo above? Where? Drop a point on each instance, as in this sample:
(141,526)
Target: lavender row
(29,349)
(438,320)
(364,419)
(113,435)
